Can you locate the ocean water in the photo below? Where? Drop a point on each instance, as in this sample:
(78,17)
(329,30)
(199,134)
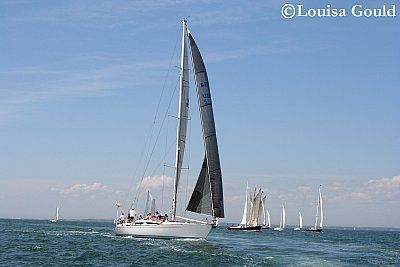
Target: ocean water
(93,243)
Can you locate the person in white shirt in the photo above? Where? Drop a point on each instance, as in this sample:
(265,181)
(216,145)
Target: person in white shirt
(121,218)
(132,214)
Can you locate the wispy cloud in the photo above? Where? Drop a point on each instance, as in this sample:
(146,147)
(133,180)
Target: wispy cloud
(304,189)
(375,189)
(42,84)
(154,182)
(82,188)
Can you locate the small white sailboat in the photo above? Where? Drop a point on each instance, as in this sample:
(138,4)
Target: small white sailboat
(283,219)
(56,217)
(207,197)
(300,223)
(266,219)
(252,224)
(319,216)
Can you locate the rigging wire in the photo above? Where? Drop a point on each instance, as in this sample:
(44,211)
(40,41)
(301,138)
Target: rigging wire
(152,127)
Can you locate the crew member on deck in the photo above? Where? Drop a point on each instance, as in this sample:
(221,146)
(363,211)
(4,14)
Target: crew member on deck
(132,214)
(121,218)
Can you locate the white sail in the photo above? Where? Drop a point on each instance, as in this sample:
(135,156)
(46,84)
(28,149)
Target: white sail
(150,204)
(322,211)
(182,117)
(317,214)
(264,211)
(283,216)
(256,208)
(244,217)
(269,220)
(56,216)
(282,221)
(300,220)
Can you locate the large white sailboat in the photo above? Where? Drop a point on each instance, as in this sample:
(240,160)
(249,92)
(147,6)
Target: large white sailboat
(207,197)
(252,222)
(300,223)
(283,219)
(56,217)
(319,215)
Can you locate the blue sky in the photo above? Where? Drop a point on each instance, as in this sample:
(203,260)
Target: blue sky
(298,103)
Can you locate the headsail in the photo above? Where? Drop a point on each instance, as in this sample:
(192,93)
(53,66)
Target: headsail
(244,218)
(212,171)
(283,217)
(300,220)
(150,204)
(256,208)
(57,211)
(182,116)
(200,201)
(321,223)
(264,210)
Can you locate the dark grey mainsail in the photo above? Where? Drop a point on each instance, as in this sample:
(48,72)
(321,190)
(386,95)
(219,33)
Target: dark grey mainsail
(210,174)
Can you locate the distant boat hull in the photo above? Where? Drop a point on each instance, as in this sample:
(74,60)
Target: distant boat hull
(265,227)
(314,230)
(167,230)
(245,228)
(279,229)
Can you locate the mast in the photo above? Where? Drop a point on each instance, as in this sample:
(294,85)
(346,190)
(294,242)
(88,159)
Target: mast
(182,117)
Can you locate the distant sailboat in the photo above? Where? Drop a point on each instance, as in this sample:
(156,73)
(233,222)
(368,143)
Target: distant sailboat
(56,217)
(283,219)
(150,205)
(300,223)
(252,223)
(319,215)
(266,221)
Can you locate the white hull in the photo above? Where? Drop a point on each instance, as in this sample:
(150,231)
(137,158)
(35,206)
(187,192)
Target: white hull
(278,229)
(165,230)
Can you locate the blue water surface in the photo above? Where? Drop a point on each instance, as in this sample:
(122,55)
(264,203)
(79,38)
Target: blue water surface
(93,243)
